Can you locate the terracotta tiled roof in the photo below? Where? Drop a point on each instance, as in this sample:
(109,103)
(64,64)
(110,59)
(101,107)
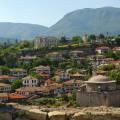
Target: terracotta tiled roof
(32,89)
(116,48)
(115,61)
(4,77)
(15,96)
(102,47)
(4,85)
(29,78)
(49,82)
(3,95)
(73,82)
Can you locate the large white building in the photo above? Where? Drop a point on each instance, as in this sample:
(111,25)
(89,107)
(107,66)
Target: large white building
(30,81)
(49,42)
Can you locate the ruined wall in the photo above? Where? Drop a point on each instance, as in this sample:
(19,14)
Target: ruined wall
(99,98)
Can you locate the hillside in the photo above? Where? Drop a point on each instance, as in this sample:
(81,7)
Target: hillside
(20,30)
(100,20)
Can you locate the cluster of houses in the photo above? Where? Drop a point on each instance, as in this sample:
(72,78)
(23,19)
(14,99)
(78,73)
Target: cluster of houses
(33,87)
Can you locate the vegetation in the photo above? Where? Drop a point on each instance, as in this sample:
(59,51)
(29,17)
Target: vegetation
(16,84)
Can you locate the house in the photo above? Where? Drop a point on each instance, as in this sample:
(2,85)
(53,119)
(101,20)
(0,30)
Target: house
(100,59)
(44,41)
(62,75)
(5,87)
(27,59)
(77,76)
(99,90)
(116,62)
(7,78)
(3,97)
(102,49)
(71,85)
(48,82)
(18,72)
(101,72)
(56,88)
(115,49)
(11,97)
(43,70)
(31,91)
(30,81)
(76,53)
(55,56)
(27,91)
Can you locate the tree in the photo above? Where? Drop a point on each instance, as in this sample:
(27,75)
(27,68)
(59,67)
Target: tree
(64,97)
(114,75)
(101,36)
(77,39)
(41,61)
(117,39)
(63,39)
(16,84)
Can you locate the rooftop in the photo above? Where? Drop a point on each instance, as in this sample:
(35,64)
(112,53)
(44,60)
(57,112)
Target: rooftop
(17,69)
(29,78)
(5,77)
(4,85)
(99,79)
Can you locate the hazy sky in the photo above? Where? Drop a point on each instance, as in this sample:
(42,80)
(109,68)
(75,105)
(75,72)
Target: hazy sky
(45,12)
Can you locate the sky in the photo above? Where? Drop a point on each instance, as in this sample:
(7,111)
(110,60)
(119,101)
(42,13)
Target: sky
(45,12)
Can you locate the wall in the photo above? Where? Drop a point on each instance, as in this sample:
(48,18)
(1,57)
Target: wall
(99,98)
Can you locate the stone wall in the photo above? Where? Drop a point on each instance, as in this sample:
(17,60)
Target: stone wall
(111,98)
(91,113)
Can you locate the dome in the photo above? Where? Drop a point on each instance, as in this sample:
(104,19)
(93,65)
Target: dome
(99,79)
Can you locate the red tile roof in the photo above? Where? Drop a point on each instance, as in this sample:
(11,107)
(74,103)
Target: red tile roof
(48,82)
(116,48)
(15,96)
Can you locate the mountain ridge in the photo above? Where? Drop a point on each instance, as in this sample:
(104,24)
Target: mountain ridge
(20,30)
(88,20)
(78,22)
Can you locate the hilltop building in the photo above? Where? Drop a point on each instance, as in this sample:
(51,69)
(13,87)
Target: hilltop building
(48,42)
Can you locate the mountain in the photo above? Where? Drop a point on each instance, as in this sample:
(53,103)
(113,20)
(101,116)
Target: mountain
(79,22)
(20,30)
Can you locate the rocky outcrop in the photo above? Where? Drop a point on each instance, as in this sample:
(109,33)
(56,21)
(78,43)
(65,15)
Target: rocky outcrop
(56,115)
(5,116)
(101,113)
(96,116)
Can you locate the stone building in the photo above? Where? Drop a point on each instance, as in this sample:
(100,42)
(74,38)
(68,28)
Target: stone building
(99,91)
(48,42)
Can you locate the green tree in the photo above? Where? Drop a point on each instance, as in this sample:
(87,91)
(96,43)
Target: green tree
(77,39)
(63,39)
(16,84)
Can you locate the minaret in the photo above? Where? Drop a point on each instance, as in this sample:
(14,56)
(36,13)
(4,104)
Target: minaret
(94,67)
